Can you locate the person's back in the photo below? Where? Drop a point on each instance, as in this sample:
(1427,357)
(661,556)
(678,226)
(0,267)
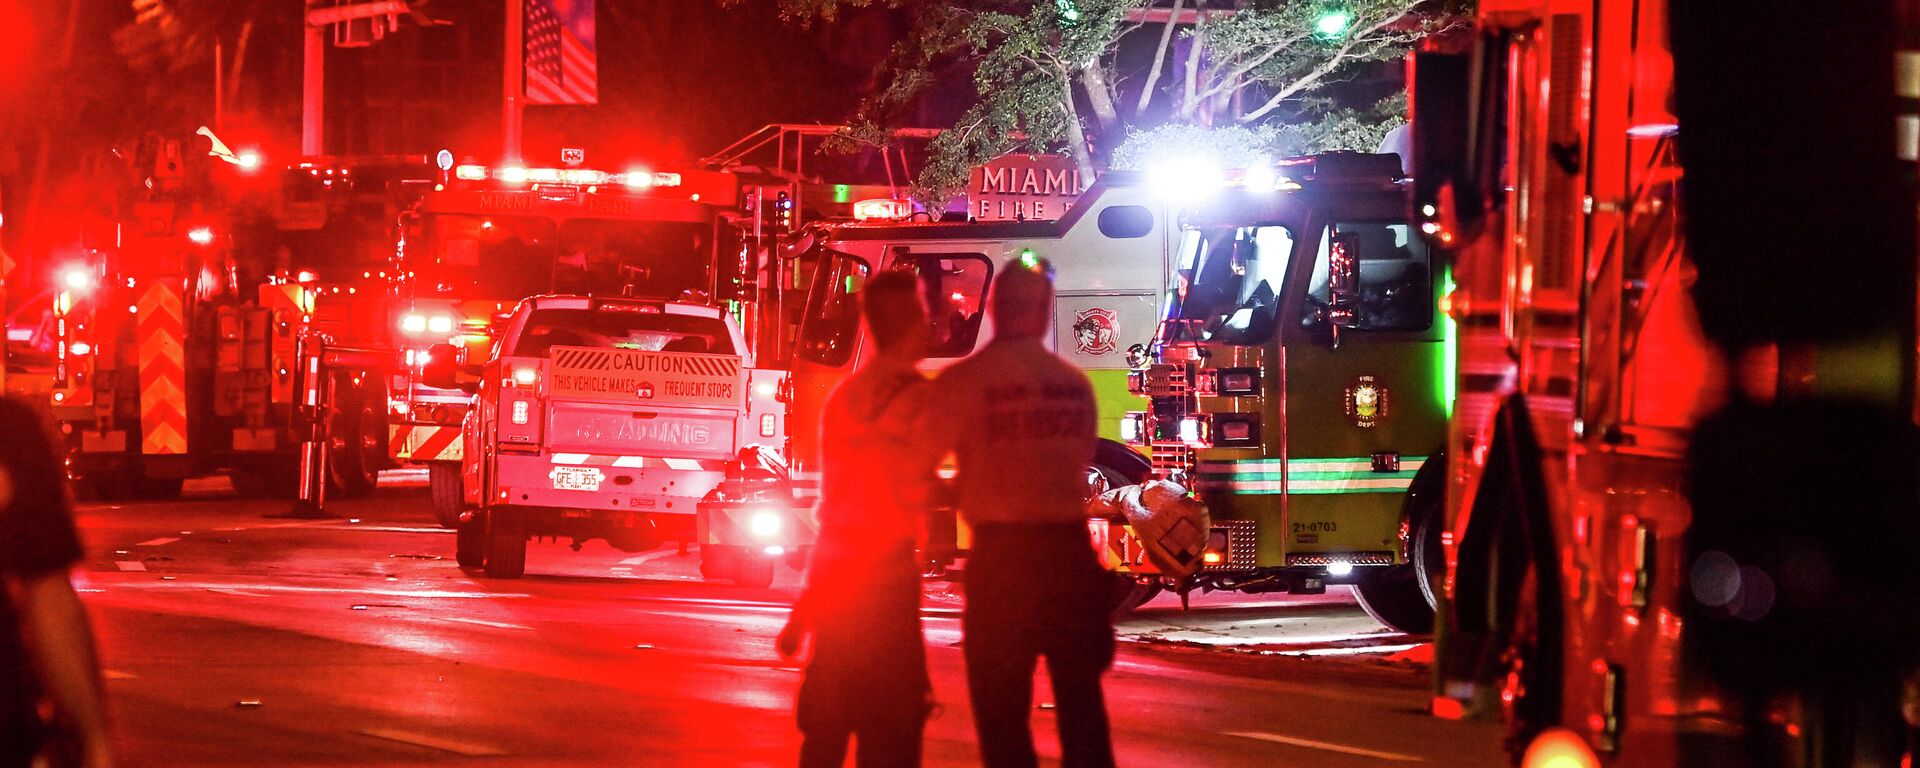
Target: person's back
(1021,424)
(1028,435)
(867,679)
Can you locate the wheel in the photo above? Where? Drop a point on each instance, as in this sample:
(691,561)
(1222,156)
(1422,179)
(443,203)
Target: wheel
(714,562)
(1393,598)
(355,437)
(506,549)
(753,571)
(1129,593)
(470,542)
(443,478)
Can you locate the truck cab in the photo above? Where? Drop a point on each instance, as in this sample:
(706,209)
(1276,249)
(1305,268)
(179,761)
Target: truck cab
(627,420)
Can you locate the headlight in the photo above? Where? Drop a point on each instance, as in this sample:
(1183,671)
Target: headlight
(440,324)
(1196,432)
(765,523)
(1133,428)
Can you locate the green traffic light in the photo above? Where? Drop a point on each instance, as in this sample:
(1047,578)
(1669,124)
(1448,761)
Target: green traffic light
(1333,23)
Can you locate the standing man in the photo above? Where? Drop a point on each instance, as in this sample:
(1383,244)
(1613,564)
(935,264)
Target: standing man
(868,676)
(1020,422)
(46,648)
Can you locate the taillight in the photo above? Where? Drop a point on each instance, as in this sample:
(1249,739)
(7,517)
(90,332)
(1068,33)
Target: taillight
(769,424)
(521,411)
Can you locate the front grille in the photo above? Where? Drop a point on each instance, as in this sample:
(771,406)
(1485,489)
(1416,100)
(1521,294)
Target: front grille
(1167,389)
(1352,558)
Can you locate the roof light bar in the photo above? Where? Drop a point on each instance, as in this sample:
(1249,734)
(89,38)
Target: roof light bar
(634,179)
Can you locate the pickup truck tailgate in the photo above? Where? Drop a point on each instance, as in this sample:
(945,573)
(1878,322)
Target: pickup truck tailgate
(640,403)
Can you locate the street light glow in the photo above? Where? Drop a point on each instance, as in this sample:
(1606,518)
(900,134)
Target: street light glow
(1333,23)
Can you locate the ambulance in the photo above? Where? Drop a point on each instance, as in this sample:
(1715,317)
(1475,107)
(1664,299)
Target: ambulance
(636,421)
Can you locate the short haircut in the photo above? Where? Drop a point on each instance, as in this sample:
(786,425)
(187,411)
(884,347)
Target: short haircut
(893,308)
(1022,301)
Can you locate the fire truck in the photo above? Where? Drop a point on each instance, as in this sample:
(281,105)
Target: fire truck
(177,328)
(1112,256)
(488,236)
(1547,174)
(630,420)
(1298,388)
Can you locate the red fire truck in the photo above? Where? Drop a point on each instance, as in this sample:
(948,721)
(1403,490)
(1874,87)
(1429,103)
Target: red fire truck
(1548,175)
(486,237)
(177,327)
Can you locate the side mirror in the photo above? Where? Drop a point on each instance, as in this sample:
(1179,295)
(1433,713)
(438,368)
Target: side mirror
(442,369)
(1343,279)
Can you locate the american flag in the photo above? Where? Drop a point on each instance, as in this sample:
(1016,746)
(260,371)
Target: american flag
(560,58)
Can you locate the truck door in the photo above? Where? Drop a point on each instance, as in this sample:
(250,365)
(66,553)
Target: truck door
(1364,380)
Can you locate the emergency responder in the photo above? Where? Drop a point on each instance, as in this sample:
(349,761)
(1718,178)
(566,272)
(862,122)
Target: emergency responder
(46,648)
(1020,423)
(868,675)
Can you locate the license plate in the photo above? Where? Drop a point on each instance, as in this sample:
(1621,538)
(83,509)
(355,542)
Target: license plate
(576,478)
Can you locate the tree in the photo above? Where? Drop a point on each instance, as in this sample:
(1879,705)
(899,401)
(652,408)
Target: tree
(1047,73)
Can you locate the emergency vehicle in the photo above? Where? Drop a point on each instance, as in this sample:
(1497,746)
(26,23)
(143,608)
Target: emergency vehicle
(1111,257)
(488,236)
(1549,178)
(637,421)
(1297,387)
(177,327)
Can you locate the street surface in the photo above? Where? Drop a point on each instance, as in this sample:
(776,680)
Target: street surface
(231,638)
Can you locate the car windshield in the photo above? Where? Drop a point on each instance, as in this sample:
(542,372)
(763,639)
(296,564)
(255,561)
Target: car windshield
(518,256)
(620,326)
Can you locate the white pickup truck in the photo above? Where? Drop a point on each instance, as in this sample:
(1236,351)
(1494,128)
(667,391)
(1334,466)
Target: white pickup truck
(639,422)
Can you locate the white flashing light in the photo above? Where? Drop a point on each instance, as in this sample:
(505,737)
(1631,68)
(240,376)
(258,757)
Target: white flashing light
(638,178)
(443,159)
(200,235)
(81,348)
(511,174)
(470,172)
(764,524)
(1187,181)
(247,160)
(440,324)
(775,550)
(542,175)
(1338,568)
(525,377)
(306,276)
(413,323)
(583,176)
(1194,432)
(77,278)
(1261,177)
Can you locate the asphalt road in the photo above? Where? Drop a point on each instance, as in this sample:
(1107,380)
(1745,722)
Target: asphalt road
(230,638)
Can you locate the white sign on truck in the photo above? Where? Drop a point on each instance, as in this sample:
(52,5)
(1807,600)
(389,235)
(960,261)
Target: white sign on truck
(631,375)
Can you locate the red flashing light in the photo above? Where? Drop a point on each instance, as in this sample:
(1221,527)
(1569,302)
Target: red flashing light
(201,235)
(1447,708)
(248,160)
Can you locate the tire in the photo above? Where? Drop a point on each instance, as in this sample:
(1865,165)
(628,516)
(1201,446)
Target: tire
(753,571)
(506,549)
(1405,597)
(1394,598)
(714,562)
(356,439)
(470,542)
(443,479)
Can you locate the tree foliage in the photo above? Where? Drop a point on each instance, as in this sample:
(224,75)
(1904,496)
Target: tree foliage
(1048,76)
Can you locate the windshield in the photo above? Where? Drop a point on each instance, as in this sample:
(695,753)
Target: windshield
(1231,278)
(516,257)
(1395,277)
(620,327)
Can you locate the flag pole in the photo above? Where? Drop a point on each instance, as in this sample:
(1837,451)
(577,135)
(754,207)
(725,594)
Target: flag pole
(515,57)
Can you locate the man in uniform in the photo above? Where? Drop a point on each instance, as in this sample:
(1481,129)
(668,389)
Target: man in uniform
(1020,422)
(46,648)
(868,675)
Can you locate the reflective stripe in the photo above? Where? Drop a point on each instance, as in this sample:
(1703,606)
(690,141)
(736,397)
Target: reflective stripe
(1305,476)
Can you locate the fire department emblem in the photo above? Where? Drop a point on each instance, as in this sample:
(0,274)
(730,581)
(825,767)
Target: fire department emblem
(1366,402)
(1096,332)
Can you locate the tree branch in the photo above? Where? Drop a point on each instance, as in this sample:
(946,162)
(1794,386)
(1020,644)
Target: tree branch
(1159,59)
